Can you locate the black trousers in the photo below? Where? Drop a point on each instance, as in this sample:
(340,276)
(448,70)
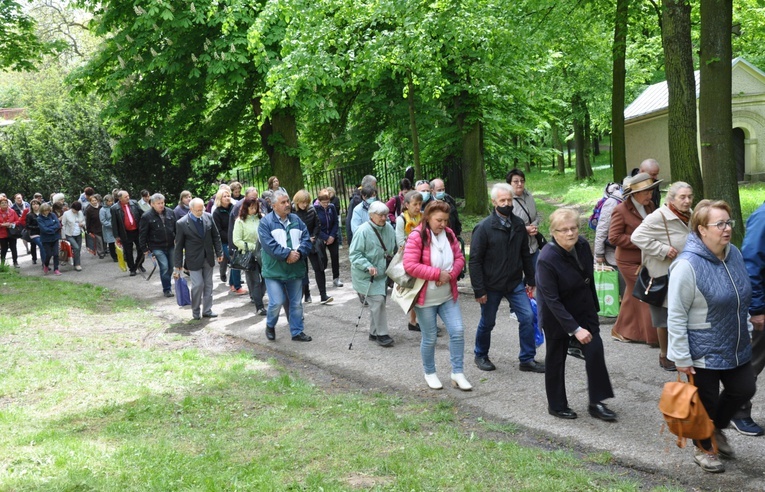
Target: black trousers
(598,381)
(127,248)
(318,270)
(758,363)
(334,256)
(7,243)
(738,388)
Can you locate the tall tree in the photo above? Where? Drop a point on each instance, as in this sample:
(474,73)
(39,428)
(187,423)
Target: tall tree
(681,86)
(20,47)
(715,110)
(619,50)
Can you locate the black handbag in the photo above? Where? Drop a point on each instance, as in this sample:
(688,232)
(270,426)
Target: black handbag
(541,241)
(244,260)
(651,290)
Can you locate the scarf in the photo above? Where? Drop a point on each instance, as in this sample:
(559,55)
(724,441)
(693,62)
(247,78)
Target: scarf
(441,255)
(684,216)
(410,223)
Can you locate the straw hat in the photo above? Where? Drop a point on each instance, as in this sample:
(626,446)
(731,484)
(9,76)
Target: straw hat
(640,182)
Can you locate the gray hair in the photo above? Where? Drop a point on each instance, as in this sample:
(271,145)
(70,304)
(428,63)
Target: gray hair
(196,201)
(675,187)
(278,194)
(369,180)
(412,196)
(500,187)
(250,189)
(157,197)
(379,208)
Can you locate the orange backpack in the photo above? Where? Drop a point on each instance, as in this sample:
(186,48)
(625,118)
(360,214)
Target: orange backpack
(683,412)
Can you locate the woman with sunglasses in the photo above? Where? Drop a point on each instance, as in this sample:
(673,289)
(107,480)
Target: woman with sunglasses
(709,331)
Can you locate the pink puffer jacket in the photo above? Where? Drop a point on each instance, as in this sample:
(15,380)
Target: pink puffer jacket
(417,262)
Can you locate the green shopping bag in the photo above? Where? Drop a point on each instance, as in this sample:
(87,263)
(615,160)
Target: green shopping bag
(607,288)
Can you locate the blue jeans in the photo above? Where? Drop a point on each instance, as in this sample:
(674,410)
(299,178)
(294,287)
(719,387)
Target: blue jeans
(519,303)
(451,316)
(276,298)
(164,257)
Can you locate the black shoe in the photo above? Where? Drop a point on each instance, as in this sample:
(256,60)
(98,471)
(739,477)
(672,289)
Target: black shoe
(566,413)
(601,411)
(301,337)
(196,317)
(133,274)
(532,366)
(168,294)
(143,270)
(307,299)
(209,315)
(484,363)
(326,299)
(270,333)
(414,327)
(363,300)
(223,278)
(439,331)
(262,311)
(372,338)
(384,341)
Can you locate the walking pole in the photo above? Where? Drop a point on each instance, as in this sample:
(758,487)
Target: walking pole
(363,304)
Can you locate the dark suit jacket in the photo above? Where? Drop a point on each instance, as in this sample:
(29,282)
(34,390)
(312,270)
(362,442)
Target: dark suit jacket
(566,294)
(118,219)
(624,220)
(198,249)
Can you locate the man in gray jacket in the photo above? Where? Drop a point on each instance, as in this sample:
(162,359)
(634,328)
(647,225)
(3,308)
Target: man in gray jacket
(197,234)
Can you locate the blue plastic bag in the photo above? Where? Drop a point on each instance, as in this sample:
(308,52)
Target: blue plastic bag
(182,294)
(539,336)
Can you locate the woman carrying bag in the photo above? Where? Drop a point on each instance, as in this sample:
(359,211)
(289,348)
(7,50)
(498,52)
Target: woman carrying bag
(433,253)
(246,237)
(661,237)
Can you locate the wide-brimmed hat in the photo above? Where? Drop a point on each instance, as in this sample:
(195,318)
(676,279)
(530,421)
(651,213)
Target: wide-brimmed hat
(640,182)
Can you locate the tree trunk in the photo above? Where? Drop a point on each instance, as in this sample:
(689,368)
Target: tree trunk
(681,84)
(577,111)
(587,139)
(413,128)
(618,149)
(715,112)
(560,160)
(278,135)
(473,169)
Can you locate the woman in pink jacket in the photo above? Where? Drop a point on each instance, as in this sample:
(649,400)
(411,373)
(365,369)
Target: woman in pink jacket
(433,253)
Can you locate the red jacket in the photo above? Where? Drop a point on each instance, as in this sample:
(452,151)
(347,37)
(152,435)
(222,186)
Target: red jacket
(417,262)
(9,215)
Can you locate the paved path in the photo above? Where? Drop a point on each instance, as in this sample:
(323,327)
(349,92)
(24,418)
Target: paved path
(506,395)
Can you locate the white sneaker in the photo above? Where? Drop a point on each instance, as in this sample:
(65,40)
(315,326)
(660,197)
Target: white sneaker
(459,381)
(433,381)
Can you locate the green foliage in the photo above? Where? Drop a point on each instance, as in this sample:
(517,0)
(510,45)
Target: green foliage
(20,48)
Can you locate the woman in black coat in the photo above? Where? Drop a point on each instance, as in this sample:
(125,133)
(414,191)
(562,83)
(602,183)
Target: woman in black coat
(568,306)
(301,204)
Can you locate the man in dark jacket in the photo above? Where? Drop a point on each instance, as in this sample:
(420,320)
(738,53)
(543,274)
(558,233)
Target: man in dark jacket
(126,216)
(157,236)
(356,199)
(438,193)
(499,259)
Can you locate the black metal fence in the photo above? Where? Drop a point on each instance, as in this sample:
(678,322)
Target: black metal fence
(347,178)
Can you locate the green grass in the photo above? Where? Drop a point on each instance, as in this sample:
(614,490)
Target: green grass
(98,394)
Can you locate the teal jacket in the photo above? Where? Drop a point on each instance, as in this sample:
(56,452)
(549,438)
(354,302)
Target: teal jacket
(277,242)
(366,251)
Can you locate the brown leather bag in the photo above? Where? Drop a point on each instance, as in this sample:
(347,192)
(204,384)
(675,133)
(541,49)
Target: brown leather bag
(683,412)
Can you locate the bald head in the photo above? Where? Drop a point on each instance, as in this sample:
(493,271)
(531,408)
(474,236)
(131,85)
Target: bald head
(650,167)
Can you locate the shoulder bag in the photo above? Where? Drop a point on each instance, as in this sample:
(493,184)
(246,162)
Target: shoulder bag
(652,290)
(388,257)
(541,240)
(244,260)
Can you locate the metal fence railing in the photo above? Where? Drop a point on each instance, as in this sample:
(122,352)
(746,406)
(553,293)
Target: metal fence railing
(347,178)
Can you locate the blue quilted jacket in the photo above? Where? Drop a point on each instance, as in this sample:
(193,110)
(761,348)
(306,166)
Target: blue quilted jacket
(708,303)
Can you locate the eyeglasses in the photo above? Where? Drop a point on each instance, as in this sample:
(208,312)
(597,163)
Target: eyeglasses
(567,230)
(518,181)
(722,224)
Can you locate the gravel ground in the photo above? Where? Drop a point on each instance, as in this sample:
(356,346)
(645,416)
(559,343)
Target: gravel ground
(638,447)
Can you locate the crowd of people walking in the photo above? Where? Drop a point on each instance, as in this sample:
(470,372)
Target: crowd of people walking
(707,321)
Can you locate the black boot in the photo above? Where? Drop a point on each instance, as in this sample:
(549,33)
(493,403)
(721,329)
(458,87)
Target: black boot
(306,294)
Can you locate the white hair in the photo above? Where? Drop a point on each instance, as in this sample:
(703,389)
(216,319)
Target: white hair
(378,207)
(196,201)
(500,187)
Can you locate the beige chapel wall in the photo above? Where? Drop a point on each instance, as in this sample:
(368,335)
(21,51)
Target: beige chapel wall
(648,139)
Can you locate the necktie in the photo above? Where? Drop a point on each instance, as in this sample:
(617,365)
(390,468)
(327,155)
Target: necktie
(199,226)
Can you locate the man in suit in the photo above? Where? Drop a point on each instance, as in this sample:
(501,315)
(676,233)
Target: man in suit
(197,234)
(126,218)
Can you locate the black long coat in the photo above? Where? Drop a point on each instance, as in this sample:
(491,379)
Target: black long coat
(566,296)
